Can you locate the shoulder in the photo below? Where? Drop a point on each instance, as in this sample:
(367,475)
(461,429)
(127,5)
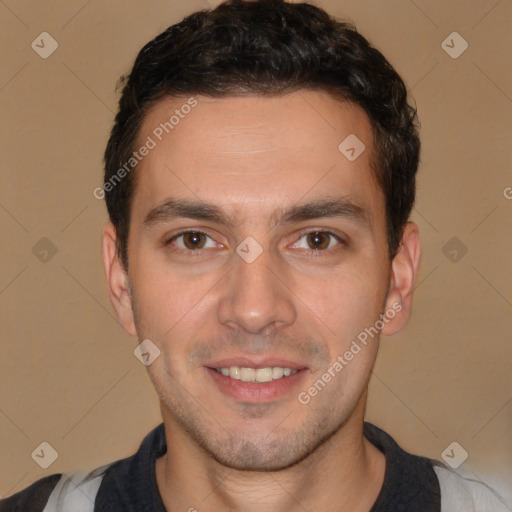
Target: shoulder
(461,494)
(412,481)
(33,498)
(58,492)
(119,485)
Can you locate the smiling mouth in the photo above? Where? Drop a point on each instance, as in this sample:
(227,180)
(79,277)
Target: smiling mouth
(266,374)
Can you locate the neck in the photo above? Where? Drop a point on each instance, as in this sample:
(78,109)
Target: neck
(344,474)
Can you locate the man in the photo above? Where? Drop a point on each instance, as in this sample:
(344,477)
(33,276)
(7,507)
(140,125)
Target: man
(259,179)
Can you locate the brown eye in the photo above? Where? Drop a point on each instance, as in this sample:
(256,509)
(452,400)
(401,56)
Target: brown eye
(189,242)
(318,240)
(194,240)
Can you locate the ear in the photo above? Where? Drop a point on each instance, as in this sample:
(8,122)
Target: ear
(404,269)
(117,280)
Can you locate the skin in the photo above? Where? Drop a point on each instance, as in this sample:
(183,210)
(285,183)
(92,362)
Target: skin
(253,158)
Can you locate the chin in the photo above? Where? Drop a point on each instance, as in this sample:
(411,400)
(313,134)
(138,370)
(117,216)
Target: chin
(243,455)
(256,451)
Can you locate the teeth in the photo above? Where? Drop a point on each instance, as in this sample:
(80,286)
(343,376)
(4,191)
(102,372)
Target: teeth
(277,372)
(233,372)
(247,374)
(256,374)
(263,375)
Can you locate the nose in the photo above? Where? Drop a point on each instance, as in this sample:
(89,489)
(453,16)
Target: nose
(256,298)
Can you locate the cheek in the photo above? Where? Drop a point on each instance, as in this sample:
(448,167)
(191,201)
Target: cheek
(170,305)
(344,302)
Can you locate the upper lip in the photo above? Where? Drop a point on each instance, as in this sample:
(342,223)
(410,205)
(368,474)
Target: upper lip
(255,362)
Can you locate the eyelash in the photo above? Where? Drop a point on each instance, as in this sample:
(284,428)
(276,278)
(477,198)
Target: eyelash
(317,253)
(194,252)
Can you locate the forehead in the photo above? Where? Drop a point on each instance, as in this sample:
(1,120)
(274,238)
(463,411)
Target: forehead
(250,153)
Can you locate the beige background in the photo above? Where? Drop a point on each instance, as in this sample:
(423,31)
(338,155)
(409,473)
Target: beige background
(68,373)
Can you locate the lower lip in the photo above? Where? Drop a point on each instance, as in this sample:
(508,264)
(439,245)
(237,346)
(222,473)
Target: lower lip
(257,392)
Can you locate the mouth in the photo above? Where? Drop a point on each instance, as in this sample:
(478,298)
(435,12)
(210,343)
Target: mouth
(266,374)
(256,382)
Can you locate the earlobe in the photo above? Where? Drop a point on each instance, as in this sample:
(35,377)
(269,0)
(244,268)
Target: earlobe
(404,269)
(117,280)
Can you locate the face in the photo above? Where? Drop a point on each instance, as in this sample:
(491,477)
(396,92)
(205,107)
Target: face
(257,257)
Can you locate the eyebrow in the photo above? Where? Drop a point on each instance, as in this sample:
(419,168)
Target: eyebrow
(171,209)
(343,207)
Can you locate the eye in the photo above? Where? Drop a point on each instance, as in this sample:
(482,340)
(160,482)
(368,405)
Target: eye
(192,240)
(317,241)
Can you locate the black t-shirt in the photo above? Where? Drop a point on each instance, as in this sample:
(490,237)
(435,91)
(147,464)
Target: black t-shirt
(129,485)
